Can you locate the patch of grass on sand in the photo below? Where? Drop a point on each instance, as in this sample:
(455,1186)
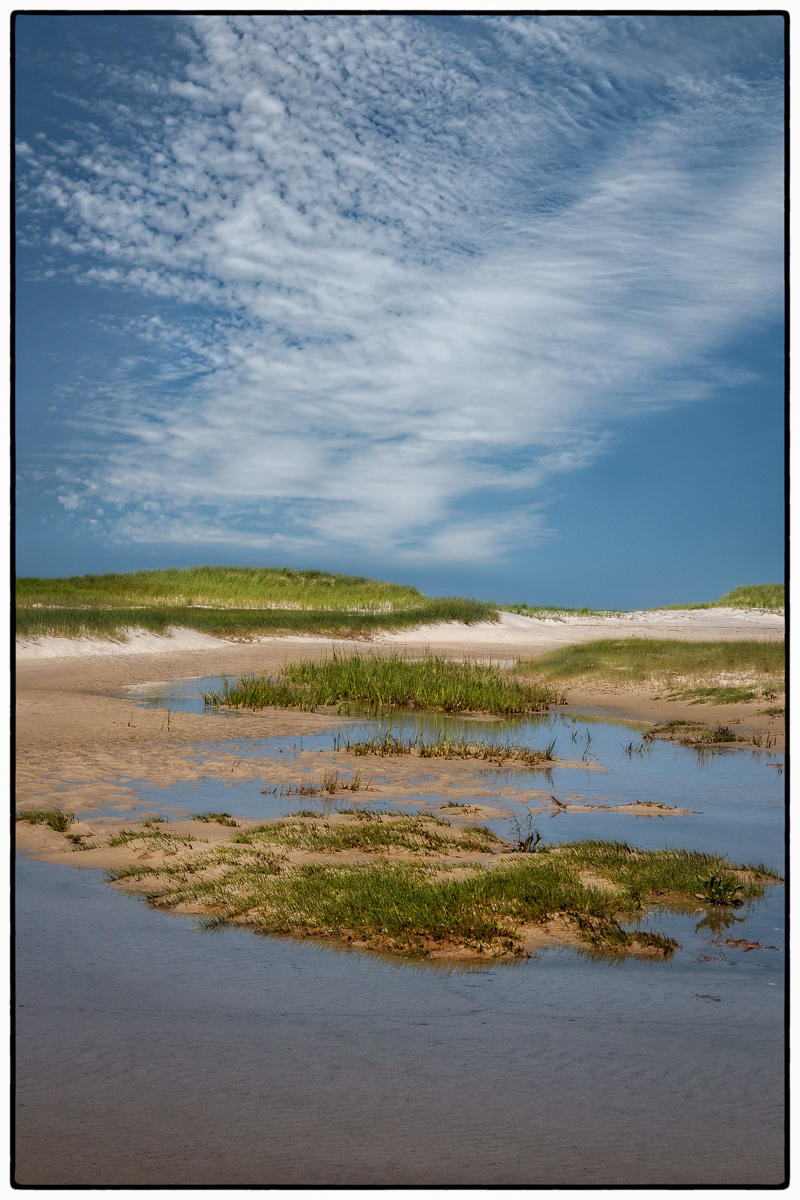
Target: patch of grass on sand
(691,733)
(229,602)
(169,843)
(726,694)
(417,908)
(219,818)
(662,660)
(54,817)
(554,612)
(376,682)
(387,744)
(381,834)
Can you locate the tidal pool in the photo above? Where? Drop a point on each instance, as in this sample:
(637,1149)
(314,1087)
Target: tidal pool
(151,1053)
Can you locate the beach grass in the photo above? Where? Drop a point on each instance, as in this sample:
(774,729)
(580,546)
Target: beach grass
(417,907)
(766,596)
(692,733)
(377,682)
(387,744)
(229,602)
(662,660)
(381,834)
(54,817)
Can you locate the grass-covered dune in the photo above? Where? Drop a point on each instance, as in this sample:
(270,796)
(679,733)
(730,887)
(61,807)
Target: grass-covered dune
(378,682)
(229,602)
(766,596)
(723,671)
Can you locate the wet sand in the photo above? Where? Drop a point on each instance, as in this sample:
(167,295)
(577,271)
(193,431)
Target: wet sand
(76,731)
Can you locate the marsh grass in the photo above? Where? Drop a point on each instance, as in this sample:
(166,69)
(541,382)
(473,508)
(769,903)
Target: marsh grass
(725,694)
(410,833)
(219,818)
(413,908)
(238,602)
(376,682)
(54,817)
(169,843)
(386,744)
(692,733)
(664,660)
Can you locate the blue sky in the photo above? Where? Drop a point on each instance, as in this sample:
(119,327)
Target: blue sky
(492,305)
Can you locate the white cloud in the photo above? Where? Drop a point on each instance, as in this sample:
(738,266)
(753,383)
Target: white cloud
(439,268)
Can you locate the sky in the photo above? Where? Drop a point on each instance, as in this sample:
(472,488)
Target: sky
(489,305)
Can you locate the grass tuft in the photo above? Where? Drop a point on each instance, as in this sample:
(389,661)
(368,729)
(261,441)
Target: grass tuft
(376,682)
(54,817)
(386,744)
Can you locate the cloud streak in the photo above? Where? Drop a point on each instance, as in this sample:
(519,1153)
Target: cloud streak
(402,273)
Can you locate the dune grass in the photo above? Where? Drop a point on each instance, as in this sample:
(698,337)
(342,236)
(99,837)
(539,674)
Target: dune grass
(229,602)
(377,682)
(386,744)
(556,611)
(54,817)
(416,907)
(767,596)
(664,660)
(221,587)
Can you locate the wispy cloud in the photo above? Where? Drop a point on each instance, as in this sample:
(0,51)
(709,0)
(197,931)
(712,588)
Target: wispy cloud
(402,271)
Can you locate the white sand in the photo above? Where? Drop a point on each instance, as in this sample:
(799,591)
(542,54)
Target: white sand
(534,634)
(516,630)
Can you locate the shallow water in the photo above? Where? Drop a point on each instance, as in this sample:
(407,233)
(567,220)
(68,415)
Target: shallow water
(149,1053)
(737,794)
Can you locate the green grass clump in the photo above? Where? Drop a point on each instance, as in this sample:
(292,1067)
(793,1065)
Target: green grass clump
(386,744)
(691,733)
(637,660)
(170,843)
(54,817)
(552,611)
(376,682)
(229,602)
(412,908)
(219,818)
(725,694)
(394,833)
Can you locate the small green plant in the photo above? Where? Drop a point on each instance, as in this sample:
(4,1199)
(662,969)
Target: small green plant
(721,890)
(78,842)
(219,818)
(54,817)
